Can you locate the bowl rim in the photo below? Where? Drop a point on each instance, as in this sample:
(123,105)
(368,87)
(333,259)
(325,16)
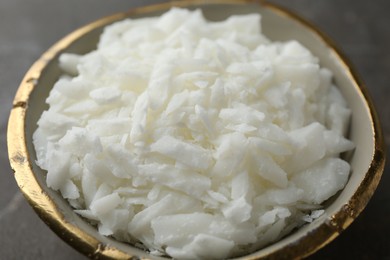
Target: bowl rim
(47,210)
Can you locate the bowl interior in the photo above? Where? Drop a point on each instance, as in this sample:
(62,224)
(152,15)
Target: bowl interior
(278,27)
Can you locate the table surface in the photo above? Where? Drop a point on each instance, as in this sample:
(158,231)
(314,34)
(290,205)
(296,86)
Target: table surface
(28,28)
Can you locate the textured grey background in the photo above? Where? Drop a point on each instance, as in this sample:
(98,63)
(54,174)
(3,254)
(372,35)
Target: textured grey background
(27,28)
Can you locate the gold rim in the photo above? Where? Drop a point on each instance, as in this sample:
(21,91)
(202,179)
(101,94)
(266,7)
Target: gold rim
(89,245)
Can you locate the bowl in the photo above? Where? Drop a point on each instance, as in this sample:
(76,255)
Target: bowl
(367,160)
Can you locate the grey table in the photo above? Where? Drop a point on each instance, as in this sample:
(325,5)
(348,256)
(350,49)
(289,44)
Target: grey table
(27,28)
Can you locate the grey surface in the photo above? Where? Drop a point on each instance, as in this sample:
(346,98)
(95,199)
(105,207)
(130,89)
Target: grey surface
(28,28)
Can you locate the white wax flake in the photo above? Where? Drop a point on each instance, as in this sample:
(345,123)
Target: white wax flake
(190,154)
(177,101)
(268,169)
(58,168)
(313,216)
(238,211)
(78,141)
(322,180)
(105,204)
(187,181)
(69,62)
(70,190)
(139,115)
(240,114)
(105,95)
(196,139)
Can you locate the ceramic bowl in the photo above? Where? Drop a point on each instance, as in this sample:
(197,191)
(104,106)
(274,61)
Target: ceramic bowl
(367,161)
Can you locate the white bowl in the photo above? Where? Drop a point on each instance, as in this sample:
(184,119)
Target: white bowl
(367,161)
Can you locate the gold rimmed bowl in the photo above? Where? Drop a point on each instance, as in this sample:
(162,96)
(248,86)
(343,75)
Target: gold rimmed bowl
(367,160)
